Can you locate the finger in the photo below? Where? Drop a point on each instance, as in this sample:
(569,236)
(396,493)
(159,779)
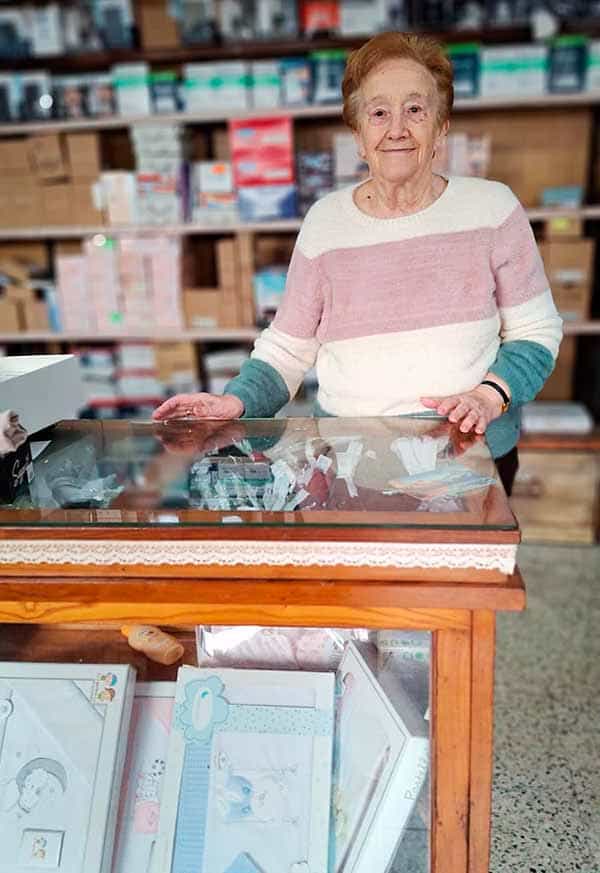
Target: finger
(442,405)
(461,409)
(431,402)
(470,421)
(481,425)
(176,406)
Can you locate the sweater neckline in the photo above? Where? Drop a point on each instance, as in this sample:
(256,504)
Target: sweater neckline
(373,221)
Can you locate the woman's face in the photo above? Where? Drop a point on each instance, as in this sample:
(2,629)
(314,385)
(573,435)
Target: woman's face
(398,121)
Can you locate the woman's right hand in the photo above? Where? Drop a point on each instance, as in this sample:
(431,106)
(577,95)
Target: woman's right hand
(202,405)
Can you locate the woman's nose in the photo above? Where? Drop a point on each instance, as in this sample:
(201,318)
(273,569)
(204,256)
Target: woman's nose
(398,126)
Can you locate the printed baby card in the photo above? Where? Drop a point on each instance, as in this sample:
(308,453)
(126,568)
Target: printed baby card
(380,764)
(248,782)
(145,765)
(63,730)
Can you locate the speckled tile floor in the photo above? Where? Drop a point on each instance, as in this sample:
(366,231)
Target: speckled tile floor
(546,798)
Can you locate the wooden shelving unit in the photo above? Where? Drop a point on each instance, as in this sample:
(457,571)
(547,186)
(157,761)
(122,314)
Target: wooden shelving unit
(310,111)
(289,225)
(208,335)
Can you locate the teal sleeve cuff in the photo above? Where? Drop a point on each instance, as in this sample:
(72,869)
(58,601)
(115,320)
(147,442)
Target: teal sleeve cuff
(260,388)
(524,366)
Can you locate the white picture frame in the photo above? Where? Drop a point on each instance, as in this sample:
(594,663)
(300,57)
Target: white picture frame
(248,771)
(381,762)
(63,732)
(143,777)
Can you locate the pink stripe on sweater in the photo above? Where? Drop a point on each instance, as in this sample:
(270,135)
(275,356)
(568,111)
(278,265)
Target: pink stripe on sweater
(411,284)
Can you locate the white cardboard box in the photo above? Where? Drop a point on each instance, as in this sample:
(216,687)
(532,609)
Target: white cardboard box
(42,389)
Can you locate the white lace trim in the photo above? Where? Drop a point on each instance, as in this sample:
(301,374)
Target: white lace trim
(247,553)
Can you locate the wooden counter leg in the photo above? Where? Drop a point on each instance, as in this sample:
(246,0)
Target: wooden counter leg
(451,758)
(482,733)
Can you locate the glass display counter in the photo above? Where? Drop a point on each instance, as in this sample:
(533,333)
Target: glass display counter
(377,550)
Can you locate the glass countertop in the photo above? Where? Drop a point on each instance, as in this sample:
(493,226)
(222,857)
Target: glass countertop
(393,472)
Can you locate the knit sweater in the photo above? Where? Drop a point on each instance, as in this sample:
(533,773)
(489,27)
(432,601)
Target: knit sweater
(391,310)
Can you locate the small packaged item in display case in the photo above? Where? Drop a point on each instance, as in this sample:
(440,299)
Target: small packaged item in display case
(328,72)
(249,772)
(143,777)
(381,761)
(63,734)
(273,648)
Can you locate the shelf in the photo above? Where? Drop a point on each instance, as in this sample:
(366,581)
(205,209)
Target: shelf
(209,335)
(287,225)
(240,50)
(332,110)
(582,328)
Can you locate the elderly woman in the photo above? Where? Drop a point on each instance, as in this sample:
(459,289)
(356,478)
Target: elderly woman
(411,292)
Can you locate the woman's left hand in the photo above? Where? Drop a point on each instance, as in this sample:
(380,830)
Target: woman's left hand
(473,409)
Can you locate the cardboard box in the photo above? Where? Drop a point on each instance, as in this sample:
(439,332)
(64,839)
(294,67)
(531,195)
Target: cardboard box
(20,204)
(57,204)
(67,247)
(563,227)
(555,496)
(83,151)
(569,267)
(228,276)
(32,255)
(202,307)
(84,208)
(34,314)
(43,389)
(172,358)
(158,28)
(14,159)
(9,316)
(47,157)
(560,384)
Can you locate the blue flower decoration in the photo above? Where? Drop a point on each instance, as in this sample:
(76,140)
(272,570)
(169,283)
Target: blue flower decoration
(203,708)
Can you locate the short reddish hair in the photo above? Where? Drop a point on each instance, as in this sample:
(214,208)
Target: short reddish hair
(397,46)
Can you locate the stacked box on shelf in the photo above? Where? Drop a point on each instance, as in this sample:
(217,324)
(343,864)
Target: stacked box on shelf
(213,199)
(223,85)
(131,86)
(262,153)
(515,70)
(569,266)
(103,286)
(161,174)
(222,366)
(315,177)
(266,84)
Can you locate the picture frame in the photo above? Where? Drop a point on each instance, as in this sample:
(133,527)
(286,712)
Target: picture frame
(248,771)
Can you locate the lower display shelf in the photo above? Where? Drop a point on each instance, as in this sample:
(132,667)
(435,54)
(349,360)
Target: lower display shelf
(237,767)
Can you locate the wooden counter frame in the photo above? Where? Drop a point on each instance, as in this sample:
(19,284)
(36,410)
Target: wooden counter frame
(461,617)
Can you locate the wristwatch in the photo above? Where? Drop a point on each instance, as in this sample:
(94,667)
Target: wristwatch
(501,392)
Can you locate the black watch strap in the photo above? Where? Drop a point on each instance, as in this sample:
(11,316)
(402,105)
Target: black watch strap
(501,392)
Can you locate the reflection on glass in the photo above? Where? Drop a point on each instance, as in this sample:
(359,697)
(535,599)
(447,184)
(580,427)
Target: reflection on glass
(380,794)
(386,471)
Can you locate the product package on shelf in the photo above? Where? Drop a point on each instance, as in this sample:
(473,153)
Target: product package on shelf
(46,29)
(164,92)
(328,72)
(266,84)
(568,64)
(114,20)
(348,166)
(103,285)
(276,19)
(273,648)
(465,59)
(249,771)
(62,748)
(269,287)
(33,95)
(161,196)
(296,81)
(131,86)
(362,17)
(319,17)
(143,777)
(196,22)
(315,177)
(223,84)
(380,764)
(213,199)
